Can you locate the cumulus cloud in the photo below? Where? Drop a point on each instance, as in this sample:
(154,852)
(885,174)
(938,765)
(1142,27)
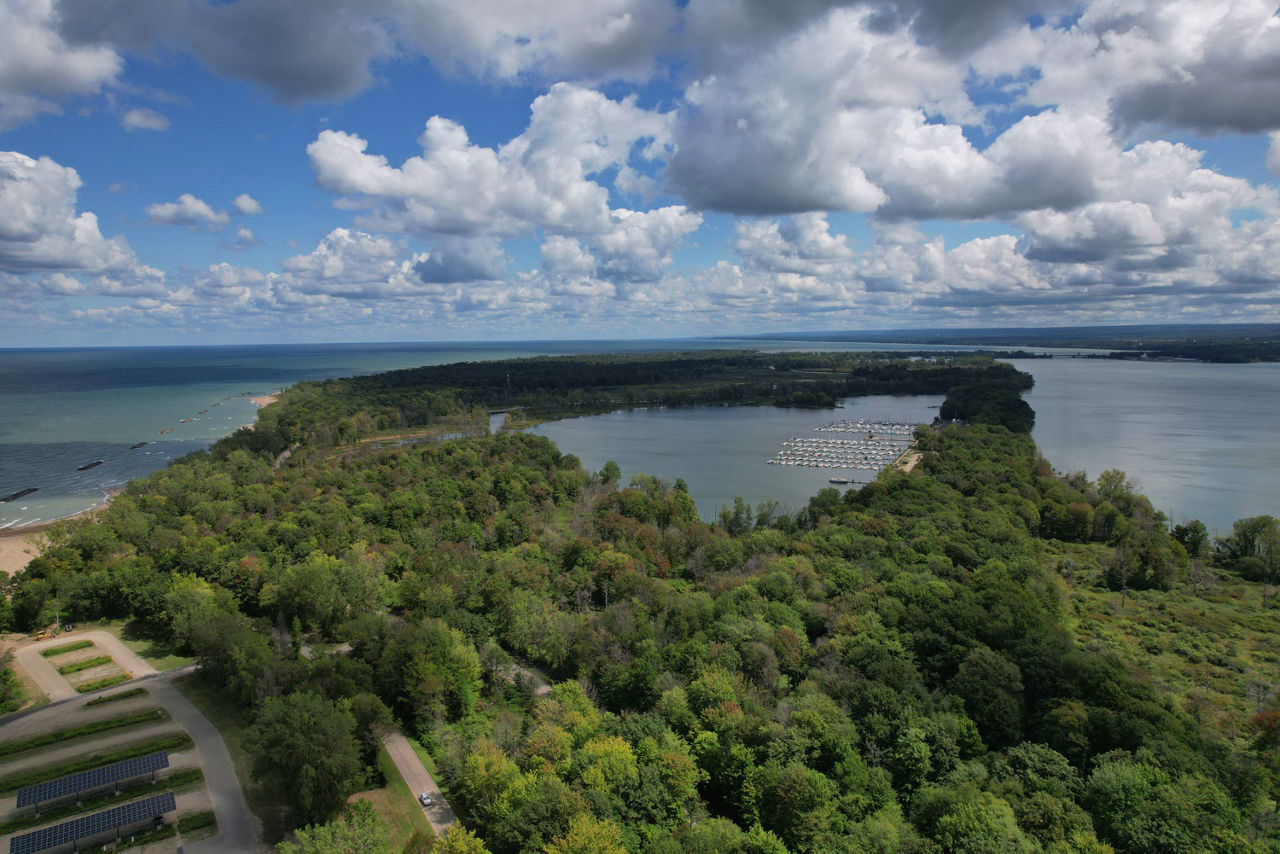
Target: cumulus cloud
(245,239)
(327,49)
(246,204)
(802,244)
(40,230)
(187,210)
(540,178)
(38,68)
(461,259)
(141,118)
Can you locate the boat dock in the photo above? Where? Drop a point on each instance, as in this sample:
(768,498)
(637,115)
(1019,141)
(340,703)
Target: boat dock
(874,446)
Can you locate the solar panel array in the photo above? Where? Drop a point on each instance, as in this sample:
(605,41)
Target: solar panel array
(92,825)
(92,779)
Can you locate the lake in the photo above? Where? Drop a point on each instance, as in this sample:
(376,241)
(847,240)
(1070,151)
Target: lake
(1199,440)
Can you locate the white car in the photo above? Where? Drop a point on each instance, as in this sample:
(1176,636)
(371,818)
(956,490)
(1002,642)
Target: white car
(424,799)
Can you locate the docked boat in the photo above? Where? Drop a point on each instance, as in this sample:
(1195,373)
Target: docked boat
(839,480)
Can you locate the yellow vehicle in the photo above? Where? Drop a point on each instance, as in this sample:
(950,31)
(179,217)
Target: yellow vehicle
(43,634)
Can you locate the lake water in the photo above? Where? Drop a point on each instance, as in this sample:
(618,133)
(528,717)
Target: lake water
(722,452)
(1199,439)
(67,407)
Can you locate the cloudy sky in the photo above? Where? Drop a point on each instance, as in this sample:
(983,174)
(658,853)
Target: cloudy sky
(213,171)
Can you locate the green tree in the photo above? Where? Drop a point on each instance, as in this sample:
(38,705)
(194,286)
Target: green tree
(305,747)
(360,831)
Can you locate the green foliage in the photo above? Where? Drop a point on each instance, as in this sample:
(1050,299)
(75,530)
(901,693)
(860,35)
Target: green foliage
(116,697)
(306,747)
(173,742)
(150,716)
(99,684)
(86,664)
(934,662)
(65,648)
(359,831)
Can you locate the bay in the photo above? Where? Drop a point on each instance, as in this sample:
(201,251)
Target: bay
(722,452)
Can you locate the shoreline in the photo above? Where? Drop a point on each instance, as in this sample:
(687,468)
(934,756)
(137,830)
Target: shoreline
(19,546)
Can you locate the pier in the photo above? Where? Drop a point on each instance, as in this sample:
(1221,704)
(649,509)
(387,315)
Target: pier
(873,446)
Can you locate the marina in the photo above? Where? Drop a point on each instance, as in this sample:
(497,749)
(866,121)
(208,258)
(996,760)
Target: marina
(877,445)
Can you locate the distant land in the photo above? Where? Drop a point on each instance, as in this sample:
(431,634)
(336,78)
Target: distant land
(1207,342)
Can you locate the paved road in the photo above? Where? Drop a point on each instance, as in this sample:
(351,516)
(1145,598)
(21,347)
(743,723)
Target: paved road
(415,774)
(238,829)
(46,676)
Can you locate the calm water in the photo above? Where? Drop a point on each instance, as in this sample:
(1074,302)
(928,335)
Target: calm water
(722,452)
(64,408)
(1199,439)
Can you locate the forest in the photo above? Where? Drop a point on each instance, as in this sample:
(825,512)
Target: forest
(980,655)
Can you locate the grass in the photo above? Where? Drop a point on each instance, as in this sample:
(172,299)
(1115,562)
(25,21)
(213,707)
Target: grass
(99,684)
(175,742)
(196,821)
(160,656)
(181,779)
(427,761)
(150,716)
(396,804)
(87,664)
(66,647)
(1208,651)
(227,718)
(112,698)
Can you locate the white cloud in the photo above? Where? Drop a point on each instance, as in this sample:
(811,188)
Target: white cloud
(1273,154)
(245,238)
(187,210)
(38,68)
(462,259)
(40,230)
(141,118)
(246,204)
(539,179)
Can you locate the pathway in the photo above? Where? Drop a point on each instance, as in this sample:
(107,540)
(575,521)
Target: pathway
(419,779)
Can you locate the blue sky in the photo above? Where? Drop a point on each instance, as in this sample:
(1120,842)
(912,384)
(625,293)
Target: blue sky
(346,170)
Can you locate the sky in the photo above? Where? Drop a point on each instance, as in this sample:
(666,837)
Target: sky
(244,171)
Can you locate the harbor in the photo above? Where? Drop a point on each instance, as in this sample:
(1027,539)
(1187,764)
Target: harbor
(871,446)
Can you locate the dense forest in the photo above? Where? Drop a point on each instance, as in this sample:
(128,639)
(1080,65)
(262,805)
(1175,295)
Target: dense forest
(1226,342)
(937,662)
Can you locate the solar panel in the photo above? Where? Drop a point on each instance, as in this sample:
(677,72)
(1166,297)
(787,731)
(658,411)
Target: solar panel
(92,779)
(92,825)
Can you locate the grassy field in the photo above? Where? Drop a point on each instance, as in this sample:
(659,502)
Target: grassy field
(396,804)
(1209,647)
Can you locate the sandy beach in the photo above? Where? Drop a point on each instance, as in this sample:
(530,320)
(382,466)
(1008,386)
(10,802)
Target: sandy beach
(264,400)
(19,545)
(16,550)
